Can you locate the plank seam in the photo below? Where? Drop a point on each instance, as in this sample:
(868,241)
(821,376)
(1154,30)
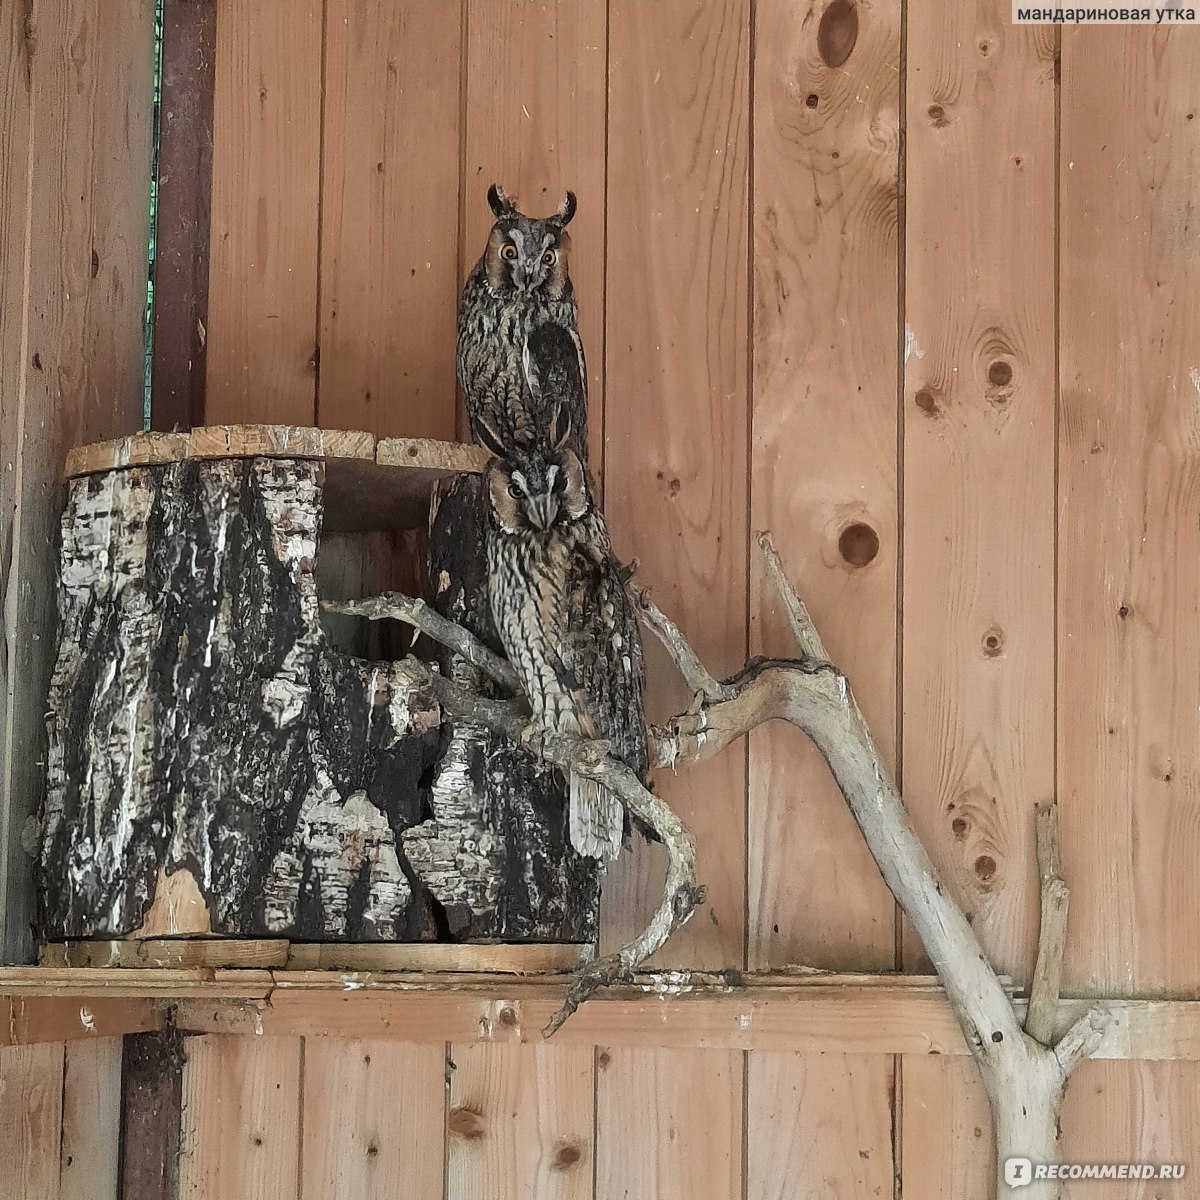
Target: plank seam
(320,215)
(14,944)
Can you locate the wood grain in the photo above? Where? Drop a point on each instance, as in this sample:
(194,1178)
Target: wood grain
(668,1124)
(824,456)
(31,1084)
(1129,537)
(181,247)
(1132,1112)
(262,294)
(1129,661)
(946,1144)
(91,1121)
(27,1019)
(371,1128)
(823,463)
(676,496)
(151,1108)
(677,404)
(535,124)
(76,81)
(241,1132)
(520,1122)
(979,523)
(389,224)
(819,1125)
(978,424)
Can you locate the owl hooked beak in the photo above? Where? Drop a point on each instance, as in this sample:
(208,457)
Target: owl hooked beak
(542,510)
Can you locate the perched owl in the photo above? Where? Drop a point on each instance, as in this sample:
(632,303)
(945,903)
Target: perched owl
(566,619)
(519,355)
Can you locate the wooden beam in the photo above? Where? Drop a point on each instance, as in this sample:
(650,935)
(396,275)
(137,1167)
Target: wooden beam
(835,1013)
(265,215)
(837,1020)
(25,1020)
(151,1105)
(185,157)
(236,953)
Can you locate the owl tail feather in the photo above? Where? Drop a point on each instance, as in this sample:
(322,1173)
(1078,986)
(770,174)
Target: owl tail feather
(597,819)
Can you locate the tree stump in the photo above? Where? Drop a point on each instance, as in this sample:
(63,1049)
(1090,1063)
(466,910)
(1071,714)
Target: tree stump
(218,766)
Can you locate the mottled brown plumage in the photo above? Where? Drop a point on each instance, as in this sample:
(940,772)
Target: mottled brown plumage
(566,620)
(519,354)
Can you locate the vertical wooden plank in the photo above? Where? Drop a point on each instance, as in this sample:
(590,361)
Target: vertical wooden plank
(1132,1112)
(16,70)
(677,403)
(1129,660)
(76,82)
(520,1122)
(185,160)
(262,294)
(979,459)
(818,1125)
(671,1124)
(374,1120)
(946,1143)
(979,422)
(31,1089)
(676,417)
(91,1121)
(151,1113)
(1129,523)
(826,156)
(389,228)
(241,1132)
(823,462)
(535,123)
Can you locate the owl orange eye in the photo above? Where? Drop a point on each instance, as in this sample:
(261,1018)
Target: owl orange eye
(514,491)
(508,252)
(550,257)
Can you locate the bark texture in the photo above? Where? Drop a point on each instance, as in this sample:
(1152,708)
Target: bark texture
(200,719)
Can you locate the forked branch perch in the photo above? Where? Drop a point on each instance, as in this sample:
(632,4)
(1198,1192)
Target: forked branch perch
(1025,1076)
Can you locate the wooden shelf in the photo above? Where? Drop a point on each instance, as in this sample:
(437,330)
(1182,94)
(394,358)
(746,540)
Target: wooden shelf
(534,958)
(833,1013)
(369,484)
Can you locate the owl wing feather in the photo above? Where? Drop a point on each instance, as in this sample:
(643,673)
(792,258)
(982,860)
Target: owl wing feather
(603,648)
(555,371)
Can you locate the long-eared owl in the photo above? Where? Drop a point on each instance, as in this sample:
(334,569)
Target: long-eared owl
(566,619)
(519,353)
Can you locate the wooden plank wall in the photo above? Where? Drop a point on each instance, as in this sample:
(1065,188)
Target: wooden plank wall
(911,287)
(75,135)
(75,160)
(76,100)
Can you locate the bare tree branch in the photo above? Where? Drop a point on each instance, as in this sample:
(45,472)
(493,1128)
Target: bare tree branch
(397,607)
(808,640)
(1052,935)
(695,674)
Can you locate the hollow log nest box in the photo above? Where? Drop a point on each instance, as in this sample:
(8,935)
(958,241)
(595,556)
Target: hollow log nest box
(218,765)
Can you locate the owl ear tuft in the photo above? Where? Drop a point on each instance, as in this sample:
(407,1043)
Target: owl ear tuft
(566,210)
(499,202)
(489,439)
